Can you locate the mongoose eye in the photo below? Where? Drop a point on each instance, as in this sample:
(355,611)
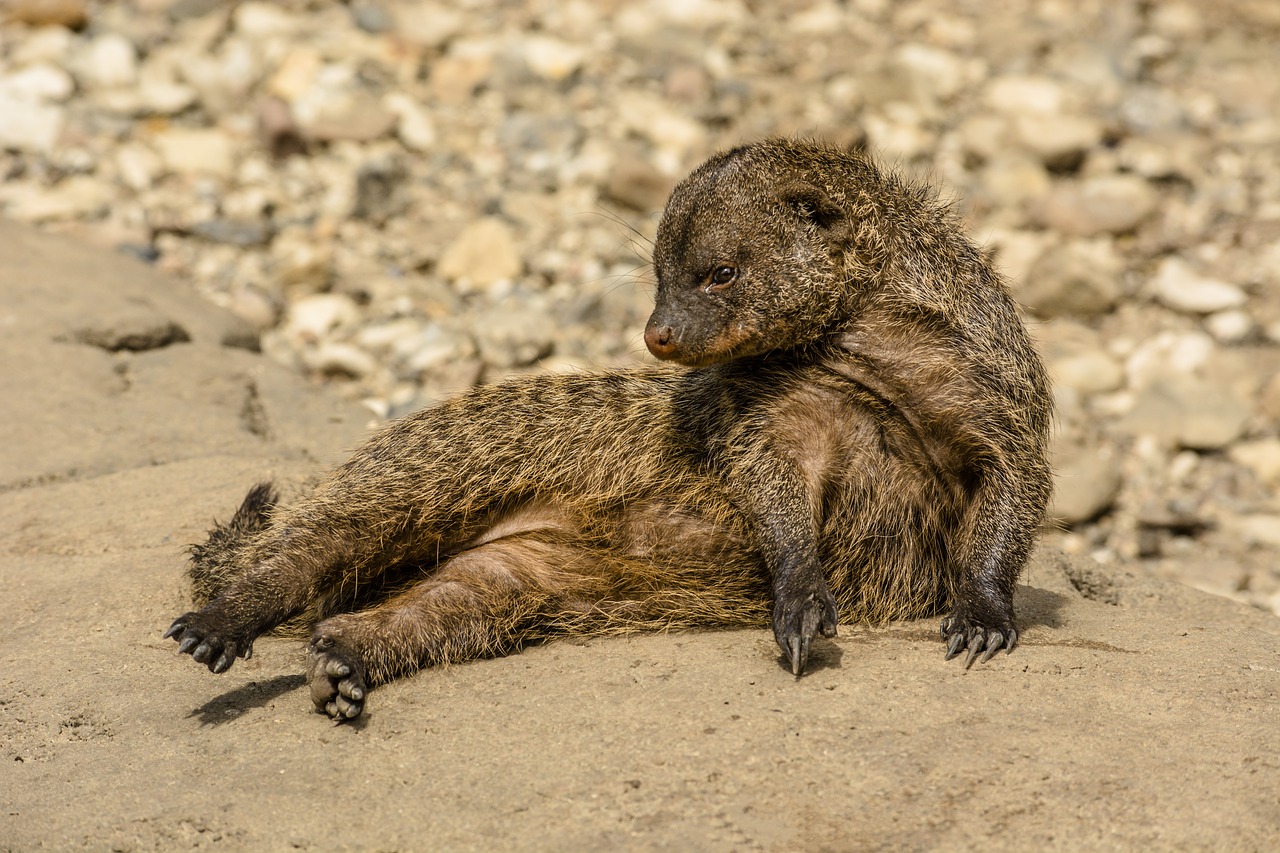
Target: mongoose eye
(721,276)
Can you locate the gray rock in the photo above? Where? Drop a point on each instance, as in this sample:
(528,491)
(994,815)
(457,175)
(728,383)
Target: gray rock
(195,151)
(1181,288)
(29,125)
(1074,279)
(109,62)
(515,336)
(483,254)
(638,184)
(77,197)
(1107,204)
(1262,457)
(1086,482)
(340,359)
(233,232)
(1187,412)
(381,190)
(1076,358)
(1059,141)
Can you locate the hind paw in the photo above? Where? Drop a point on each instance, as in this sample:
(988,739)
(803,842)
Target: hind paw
(336,679)
(979,639)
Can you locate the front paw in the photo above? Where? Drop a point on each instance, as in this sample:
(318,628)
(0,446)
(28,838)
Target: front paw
(965,632)
(797,616)
(199,635)
(336,679)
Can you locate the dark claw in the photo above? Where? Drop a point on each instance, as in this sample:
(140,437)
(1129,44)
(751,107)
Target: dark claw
(799,649)
(187,644)
(954,647)
(975,648)
(223,663)
(175,629)
(995,642)
(203,652)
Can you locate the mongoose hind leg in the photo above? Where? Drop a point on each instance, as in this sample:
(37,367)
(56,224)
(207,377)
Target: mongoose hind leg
(484,602)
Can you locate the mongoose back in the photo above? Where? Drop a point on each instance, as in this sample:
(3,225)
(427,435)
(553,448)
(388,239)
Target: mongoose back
(854,427)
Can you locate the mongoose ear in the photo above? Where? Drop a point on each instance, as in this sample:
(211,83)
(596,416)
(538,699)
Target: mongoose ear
(812,203)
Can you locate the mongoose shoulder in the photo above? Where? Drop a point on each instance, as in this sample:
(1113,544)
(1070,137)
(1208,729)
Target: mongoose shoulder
(854,427)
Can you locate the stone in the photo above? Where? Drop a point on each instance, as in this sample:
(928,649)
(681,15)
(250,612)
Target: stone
(372,17)
(552,59)
(455,78)
(72,14)
(668,129)
(159,95)
(224,79)
(312,318)
(1016,251)
(1010,181)
(1179,352)
(1149,110)
(1181,288)
(1075,279)
(1262,457)
(983,136)
(336,108)
(898,132)
(636,183)
(280,134)
(1091,371)
(1269,399)
(483,254)
(514,336)
(301,259)
(1230,327)
(1060,142)
(428,24)
(1018,95)
(195,151)
(923,75)
(260,20)
(1188,412)
(28,125)
(109,62)
(1086,482)
(381,190)
(340,359)
(433,347)
(233,232)
(697,14)
(1077,359)
(76,197)
(1106,204)
(255,308)
(414,126)
(296,73)
(138,165)
(1261,529)
(40,83)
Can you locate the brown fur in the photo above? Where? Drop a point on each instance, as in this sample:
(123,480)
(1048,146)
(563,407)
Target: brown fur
(860,429)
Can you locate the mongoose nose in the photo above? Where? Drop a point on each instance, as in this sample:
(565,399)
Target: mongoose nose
(660,340)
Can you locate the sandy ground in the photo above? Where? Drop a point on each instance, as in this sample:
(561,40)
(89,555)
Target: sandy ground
(1135,714)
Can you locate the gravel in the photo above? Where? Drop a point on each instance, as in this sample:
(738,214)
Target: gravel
(406,196)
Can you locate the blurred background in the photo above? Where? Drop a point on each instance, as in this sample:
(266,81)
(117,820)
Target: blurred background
(405,198)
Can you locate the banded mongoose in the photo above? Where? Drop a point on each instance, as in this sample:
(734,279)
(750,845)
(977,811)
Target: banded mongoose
(854,428)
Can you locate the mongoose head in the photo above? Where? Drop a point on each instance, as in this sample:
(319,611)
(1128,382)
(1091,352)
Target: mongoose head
(750,255)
